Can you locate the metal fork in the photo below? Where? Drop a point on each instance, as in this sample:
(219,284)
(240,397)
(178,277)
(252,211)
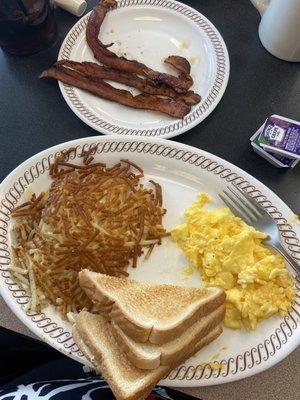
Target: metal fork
(244,206)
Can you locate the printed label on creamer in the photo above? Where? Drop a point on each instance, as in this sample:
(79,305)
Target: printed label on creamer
(278,159)
(274,132)
(282,136)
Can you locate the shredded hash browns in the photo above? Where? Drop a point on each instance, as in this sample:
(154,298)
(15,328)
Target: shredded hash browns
(94,217)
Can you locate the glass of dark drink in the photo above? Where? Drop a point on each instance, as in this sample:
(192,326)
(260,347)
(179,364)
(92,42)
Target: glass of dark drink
(26,26)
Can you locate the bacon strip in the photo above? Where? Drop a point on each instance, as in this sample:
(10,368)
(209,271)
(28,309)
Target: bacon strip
(179,63)
(177,109)
(180,84)
(95,72)
(182,65)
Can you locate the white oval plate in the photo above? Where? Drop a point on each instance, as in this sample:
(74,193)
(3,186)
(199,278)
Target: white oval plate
(149,31)
(183,172)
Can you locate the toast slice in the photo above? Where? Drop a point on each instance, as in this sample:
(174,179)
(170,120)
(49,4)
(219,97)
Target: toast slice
(151,356)
(92,334)
(149,312)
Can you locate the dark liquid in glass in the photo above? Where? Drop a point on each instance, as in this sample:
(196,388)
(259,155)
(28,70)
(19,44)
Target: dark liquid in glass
(26,26)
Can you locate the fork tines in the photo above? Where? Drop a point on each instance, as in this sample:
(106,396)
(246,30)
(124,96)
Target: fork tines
(243,205)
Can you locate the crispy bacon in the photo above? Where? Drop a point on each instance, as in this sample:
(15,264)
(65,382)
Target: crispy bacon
(179,63)
(101,52)
(177,109)
(95,72)
(182,65)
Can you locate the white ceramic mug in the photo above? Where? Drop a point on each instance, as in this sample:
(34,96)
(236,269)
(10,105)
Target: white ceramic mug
(279,29)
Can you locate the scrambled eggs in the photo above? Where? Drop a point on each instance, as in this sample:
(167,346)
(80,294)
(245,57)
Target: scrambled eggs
(230,254)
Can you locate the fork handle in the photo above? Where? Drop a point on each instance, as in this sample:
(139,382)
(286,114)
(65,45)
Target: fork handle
(294,264)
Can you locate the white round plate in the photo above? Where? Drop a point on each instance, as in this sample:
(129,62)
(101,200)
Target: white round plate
(149,31)
(183,172)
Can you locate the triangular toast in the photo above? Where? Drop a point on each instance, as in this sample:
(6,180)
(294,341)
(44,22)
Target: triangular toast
(151,356)
(149,312)
(92,333)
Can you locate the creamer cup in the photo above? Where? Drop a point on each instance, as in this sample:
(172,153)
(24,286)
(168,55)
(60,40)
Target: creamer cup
(281,135)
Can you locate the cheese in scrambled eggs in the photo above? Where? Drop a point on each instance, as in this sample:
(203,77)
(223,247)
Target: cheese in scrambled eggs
(230,254)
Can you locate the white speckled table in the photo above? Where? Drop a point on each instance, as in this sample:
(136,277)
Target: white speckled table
(281,382)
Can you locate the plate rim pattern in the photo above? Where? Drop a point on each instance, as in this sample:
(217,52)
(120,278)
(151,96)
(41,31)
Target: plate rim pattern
(197,114)
(52,331)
